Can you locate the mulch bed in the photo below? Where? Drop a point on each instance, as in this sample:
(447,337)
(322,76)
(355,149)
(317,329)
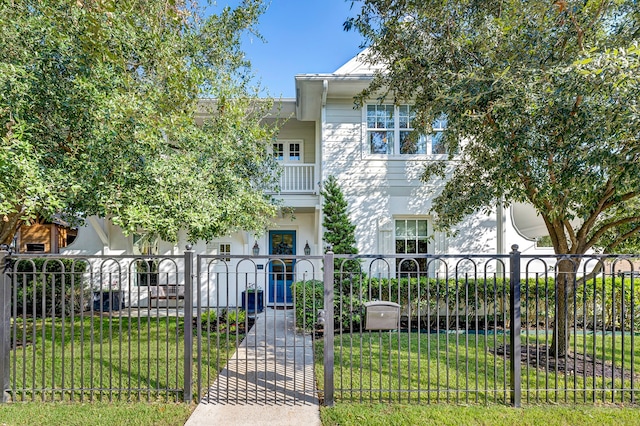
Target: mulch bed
(537,356)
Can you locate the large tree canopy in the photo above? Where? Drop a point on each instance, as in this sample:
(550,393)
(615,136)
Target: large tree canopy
(542,100)
(103,111)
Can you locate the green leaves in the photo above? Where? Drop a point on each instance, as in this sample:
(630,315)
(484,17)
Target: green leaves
(339,231)
(542,97)
(101,113)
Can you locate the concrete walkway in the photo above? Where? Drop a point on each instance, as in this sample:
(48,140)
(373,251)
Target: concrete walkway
(269,380)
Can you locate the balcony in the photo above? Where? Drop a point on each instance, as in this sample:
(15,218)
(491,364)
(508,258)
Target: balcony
(298,179)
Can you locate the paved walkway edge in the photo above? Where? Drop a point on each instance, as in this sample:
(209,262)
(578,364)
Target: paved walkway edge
(274,351)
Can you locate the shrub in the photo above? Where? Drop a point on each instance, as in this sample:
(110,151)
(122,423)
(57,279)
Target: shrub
(309,298)
(208,320)
(599,303)
(46,287)
(236,317)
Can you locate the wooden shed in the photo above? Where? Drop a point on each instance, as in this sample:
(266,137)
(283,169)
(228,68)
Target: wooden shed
(45,237)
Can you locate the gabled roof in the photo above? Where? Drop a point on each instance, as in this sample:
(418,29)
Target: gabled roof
(346,82)
(358,66)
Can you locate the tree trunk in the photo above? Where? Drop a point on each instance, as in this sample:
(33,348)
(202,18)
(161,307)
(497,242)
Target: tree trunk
(9,225)
(565,289)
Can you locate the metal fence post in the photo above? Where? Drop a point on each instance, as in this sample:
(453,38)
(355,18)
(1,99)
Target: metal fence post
(188,324)
(515,355)
(328,329)
(5,326)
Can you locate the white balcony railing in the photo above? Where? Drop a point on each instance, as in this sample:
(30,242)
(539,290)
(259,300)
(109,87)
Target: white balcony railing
(298,178)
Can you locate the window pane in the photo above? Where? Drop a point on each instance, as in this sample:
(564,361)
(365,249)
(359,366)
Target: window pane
(411,239)
(437,143)
(412,144)
(411,228)
(440,123)
(381,142)
(403,117)
(294,151)
(278,151)
(225,249)
(380,117)
(371,116)
(422,228)
(407,265)
(388,114)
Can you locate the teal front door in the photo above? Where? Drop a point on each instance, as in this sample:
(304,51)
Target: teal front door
(281,243)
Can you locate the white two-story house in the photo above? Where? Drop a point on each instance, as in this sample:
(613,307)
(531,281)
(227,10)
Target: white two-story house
(325,134)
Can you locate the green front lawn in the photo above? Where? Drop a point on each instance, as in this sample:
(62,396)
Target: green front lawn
(350,414)
(94,414)
(103,358)
(463,368)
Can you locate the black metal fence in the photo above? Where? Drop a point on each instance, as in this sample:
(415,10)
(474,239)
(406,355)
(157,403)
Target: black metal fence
(95,328)
(507,329)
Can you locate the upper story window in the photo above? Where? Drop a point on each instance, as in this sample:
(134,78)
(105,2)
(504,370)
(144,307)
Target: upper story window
(389,132)
(288,151)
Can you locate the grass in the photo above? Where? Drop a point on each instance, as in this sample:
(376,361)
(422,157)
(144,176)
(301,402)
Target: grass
(94,414)
(429,368)
(107,370)
(347,414)
(103,358)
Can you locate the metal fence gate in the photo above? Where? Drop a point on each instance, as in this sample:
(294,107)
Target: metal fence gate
(251,349)
(145,328)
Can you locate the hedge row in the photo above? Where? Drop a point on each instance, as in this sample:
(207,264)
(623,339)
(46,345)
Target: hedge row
(599,303)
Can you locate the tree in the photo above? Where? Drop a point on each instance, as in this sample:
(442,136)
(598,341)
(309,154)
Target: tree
(541,100)
(339,231)
(106,109)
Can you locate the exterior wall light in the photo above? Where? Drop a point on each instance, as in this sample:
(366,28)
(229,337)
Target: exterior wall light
(307,249)
(256,249)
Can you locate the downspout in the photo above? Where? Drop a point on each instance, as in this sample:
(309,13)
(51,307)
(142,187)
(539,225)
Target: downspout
(323,117)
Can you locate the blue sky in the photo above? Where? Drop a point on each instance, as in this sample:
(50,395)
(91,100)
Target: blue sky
(301,36)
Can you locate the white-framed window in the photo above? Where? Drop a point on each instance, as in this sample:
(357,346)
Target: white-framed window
(221,249)
(225,249)
(389,132)
(411,237)
(288,151)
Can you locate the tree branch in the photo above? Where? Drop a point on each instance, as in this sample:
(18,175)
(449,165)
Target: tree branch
(604,228)
(622,238)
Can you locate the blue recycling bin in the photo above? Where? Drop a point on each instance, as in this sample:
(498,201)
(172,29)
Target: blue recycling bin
(105,301)
(253,301)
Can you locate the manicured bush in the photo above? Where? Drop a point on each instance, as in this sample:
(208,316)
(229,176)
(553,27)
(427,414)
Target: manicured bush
(236,317)
(309,298)
(603,304)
